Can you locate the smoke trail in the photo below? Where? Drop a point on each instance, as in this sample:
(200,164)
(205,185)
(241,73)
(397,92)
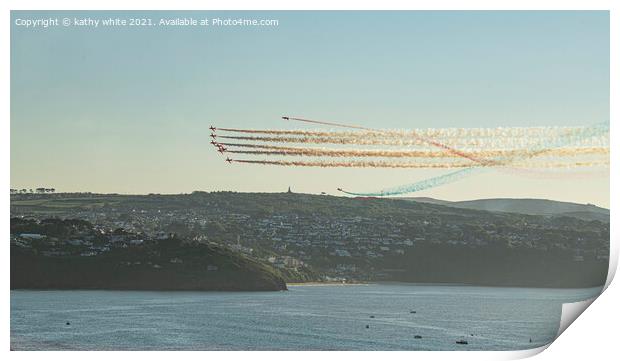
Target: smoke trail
(376,137)
(413,135)
(287,132)
(492,143)
(351,164)
(469,145)
(251,145)
(380,164)
(324,140)
(439,133)
(421,185)
(314,152)
(481,161)
(455,132)
(316,140)
(594,131)
(327,123)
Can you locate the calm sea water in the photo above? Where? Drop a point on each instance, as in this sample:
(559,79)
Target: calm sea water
(303,318)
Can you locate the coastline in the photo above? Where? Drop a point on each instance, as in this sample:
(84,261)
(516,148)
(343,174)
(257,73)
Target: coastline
(328,283)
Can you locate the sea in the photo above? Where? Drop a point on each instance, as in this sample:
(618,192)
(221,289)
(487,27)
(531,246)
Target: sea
(306,317)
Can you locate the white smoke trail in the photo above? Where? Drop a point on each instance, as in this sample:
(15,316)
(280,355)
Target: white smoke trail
(380,164)
(381,153)
(458,146)
(435,133)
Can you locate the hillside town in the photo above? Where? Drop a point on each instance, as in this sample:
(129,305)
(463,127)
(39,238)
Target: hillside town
(350,245)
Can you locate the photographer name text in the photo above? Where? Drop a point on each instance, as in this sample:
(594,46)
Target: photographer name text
(92,22)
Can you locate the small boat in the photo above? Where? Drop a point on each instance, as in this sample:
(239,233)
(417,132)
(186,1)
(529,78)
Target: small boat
(367,326)
(462,342)
(372,316)
(412,312)
(417,336)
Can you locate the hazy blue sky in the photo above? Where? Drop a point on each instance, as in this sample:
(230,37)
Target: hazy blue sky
(128,109)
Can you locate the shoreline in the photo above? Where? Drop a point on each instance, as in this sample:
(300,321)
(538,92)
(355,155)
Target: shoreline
(328,283)
(430,284)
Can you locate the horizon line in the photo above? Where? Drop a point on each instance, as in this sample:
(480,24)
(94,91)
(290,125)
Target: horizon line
(292,192)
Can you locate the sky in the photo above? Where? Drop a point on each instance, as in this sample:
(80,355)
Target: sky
(127,109)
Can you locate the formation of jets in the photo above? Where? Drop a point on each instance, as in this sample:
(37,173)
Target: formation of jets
(221,148)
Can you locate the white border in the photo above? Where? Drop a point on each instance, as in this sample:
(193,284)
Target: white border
(588,338)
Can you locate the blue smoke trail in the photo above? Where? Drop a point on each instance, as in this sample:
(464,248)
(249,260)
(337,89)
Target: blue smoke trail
(421,185)
(595,130)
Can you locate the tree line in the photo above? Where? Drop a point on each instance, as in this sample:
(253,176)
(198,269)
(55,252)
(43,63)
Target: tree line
(39,190)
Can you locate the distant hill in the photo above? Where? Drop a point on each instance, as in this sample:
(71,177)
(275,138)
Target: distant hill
(427,200)
(541,207)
